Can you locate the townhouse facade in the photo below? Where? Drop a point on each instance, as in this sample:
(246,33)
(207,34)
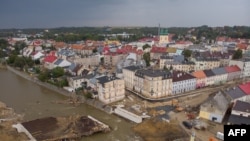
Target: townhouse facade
(181,66)
(220,75)
(113,58)
(210,77)
(129,76)
(240,113)
(243,64)
(234,72)
(153,83)
(110,89)
(91,60)
(201,78)
(206,63)
(75,82)
(183,82)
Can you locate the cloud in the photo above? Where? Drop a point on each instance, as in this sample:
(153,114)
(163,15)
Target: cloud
(56,13)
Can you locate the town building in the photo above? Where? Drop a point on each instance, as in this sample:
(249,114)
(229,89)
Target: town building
(88,60)
(201,78)
(215,108)
(129,76)
(235,93)
(240,113)
(206,63)
(220,75)
(75,82)
(185,66)
(234,72)
(112,58)
(183,82)
(152,83)
(243,64)
(164,38)
(49,59)
(156,52)
(210,77)
(110,89)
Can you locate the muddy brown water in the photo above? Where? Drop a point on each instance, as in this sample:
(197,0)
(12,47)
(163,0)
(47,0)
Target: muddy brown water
(35,101)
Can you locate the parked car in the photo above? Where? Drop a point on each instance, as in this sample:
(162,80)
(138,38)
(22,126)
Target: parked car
(187,124)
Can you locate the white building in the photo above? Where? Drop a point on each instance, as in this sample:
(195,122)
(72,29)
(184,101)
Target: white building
(243,64)
(183,82)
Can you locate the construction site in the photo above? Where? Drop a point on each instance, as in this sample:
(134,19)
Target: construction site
(165,122)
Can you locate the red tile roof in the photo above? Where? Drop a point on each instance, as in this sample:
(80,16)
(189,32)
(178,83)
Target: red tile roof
(59,44)
(199,74)
(50,58)
(77,46)
(245,88)
(242,46)
(233,68)
(156,49)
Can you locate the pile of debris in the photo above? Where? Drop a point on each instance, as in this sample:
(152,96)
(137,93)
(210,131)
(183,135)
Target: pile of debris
(61,128)
(7,118)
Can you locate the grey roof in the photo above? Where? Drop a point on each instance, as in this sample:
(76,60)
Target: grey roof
(72,66)
(180,76)
(234,119)
(66,52)
(219,71)
(217,104)
(206,59)
(242,106)
(105,79)
(235,93)
(209,73)
(132,68)
(58,61)
(178,58)
(166,57)
(153,73)
(77,77)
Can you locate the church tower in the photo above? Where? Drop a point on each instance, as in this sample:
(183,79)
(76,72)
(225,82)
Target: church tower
(163,36)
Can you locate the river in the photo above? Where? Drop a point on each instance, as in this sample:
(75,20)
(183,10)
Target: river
(34,102)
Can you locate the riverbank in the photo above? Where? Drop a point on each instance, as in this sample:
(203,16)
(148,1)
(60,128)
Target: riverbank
(7,118)
(92,102)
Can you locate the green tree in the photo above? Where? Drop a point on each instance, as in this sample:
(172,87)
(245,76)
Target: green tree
(237,54)
(11,59)
(19,62)
(57,72)
(146,57)
(187,53)
(44,76)
(145,46)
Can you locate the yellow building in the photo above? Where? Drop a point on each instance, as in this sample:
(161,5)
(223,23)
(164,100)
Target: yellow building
(110,89)
(153,83)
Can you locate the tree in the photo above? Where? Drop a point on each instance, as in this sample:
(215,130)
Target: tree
(146,57)
(187,53)
(237,54)
(145,46)
(57,72)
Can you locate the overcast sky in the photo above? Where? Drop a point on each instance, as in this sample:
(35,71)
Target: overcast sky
(167,13)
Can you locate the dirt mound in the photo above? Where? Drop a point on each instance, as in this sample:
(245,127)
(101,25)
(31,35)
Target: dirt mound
(158,130)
